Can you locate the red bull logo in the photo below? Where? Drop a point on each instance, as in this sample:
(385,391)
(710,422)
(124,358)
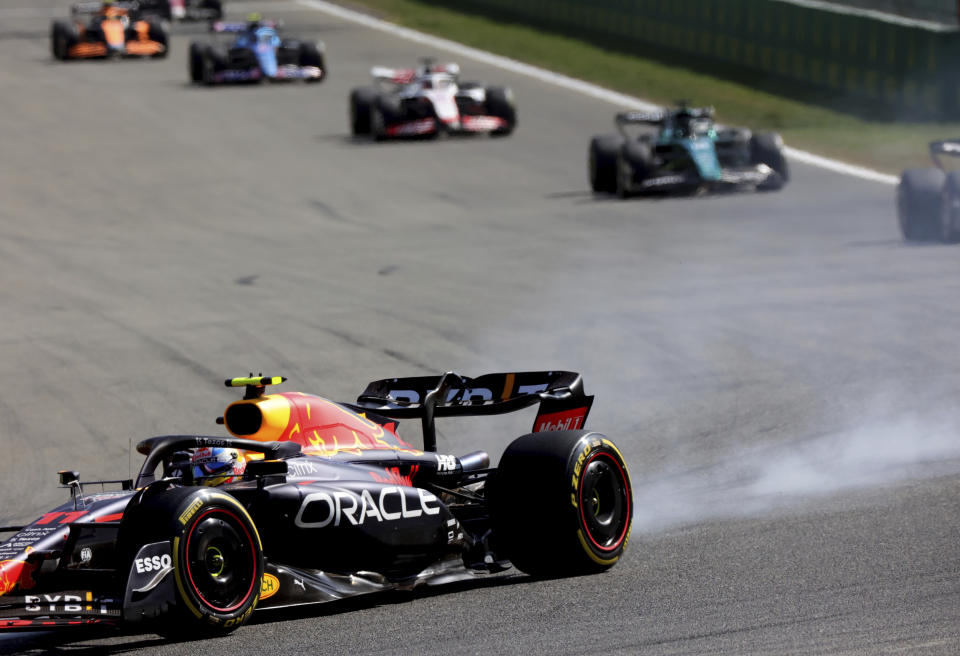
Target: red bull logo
(16,573)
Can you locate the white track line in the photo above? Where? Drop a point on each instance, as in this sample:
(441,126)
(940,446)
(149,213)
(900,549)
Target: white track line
(573,84)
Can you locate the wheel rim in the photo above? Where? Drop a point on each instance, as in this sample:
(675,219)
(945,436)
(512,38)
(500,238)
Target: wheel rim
(605,502)
(221,560)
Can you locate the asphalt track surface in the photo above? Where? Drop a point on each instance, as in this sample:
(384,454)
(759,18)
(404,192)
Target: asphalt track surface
(781,370)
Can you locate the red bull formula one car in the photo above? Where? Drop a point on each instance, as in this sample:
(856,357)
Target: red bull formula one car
(428,101)
(108,29)
(312,501)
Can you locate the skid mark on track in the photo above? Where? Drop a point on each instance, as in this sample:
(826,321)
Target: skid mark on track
(389,352)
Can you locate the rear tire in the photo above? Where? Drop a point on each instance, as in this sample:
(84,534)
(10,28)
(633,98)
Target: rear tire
(310,55)
(919,202)
(579,522)
(159,34)
(602,162)
(950,209)
(213,63)
(216,9)
(767,148)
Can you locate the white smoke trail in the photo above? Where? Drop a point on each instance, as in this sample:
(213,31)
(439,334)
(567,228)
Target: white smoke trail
(768,478)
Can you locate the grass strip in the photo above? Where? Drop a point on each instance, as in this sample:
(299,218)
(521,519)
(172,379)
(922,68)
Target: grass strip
(882,145)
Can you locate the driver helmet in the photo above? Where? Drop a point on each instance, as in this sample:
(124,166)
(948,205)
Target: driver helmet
(215,465)
(253,20)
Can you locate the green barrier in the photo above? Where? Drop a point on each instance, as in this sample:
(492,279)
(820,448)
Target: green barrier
(901,66)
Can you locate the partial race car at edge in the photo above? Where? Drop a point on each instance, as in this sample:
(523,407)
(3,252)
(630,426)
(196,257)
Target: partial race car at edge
(928,199)
(312,501)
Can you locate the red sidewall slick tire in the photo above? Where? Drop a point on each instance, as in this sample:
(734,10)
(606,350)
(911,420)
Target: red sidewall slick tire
(216,555)
(562,503)
(217,562)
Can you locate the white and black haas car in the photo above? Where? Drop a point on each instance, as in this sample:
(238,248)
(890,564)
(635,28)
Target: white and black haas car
(185,10)
(313,501)
(928,200)
(428,101)
(683,150)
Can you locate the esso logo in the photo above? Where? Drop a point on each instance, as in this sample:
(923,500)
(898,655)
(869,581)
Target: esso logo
(154,563)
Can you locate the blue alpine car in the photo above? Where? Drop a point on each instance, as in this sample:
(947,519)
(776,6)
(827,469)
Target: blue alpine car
(255,52)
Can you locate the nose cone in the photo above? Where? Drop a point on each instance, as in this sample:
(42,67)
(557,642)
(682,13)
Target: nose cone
(267,58)
(113,34)
(445,105)
(14,574)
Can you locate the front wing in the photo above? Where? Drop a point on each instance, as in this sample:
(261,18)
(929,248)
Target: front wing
(150,593)
(469,124)
(729,178)
(99,49)
(285,72)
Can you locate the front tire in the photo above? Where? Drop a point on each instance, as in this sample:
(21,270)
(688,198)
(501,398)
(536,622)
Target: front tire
(310,55)
(561,503)
(500,103)
(767,148)
(919,202)
(158,33)
(361,104)
(62,36)
(217,558)
(602,162)
(197,57)
(634,164)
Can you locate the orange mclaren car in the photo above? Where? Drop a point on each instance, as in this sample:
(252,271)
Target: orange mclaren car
(108,29)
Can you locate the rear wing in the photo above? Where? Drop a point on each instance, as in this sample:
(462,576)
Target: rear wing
(559,394)
(80,8)
(947,147)
(639,118)
(623,119)
(393,75)
(234,27)
(408,75)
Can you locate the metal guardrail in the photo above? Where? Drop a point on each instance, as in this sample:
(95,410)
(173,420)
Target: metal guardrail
(907,67)
(946,12)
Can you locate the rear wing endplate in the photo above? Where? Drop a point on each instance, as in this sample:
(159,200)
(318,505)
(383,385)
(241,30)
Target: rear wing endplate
(562,402)
(948,147)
